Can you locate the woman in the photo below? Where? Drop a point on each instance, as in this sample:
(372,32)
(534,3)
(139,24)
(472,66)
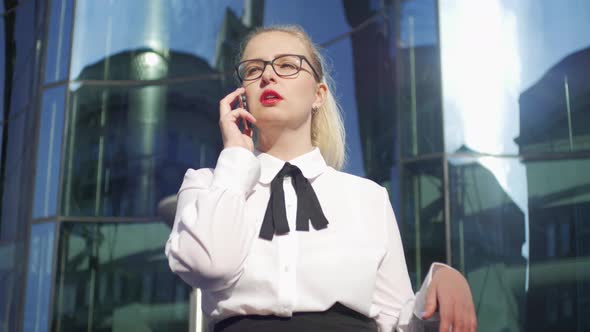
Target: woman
(242,231)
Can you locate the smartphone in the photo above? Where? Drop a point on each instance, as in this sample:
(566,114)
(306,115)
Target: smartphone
(243,102)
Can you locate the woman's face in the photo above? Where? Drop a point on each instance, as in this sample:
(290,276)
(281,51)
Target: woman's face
(296,94)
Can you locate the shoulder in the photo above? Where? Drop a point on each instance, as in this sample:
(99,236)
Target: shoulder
(201,178)
(353,182)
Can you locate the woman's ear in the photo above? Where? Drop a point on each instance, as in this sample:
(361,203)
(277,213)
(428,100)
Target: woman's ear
(320,95)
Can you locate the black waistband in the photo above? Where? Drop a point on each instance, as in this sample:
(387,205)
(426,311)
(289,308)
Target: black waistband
(338,318)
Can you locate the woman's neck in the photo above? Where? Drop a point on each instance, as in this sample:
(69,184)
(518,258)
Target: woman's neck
(285,145)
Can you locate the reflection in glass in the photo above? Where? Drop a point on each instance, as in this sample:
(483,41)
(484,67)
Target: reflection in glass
(13,222)
(49,153)
(12,282)
(418,79)
(58,40)
(3,75)
(129,147)
(40,265)
(559,294)
(488,210)
(372,62)
(555,111)
(115,277)
(170,31)
(519,70)
(25,52)
(422,222)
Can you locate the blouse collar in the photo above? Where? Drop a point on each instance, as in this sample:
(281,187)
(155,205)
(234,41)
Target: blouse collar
(311,164)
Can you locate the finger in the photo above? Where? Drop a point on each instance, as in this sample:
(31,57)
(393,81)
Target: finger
(458,321)
(471,319)
(249,132)
(473,324)
(235,115)
(241,113)
(446,316)
(225,103)
(245,123)
(430,303)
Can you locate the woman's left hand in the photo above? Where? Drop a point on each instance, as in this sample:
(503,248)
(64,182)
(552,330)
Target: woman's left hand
(450,293)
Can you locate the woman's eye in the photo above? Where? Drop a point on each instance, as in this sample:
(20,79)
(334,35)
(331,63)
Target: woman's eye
(288,65)
(252,70)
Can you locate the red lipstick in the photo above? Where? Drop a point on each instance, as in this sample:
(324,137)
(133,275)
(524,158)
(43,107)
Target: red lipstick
(270,97)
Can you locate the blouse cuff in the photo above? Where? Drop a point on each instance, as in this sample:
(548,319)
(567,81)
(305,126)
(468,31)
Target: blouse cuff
(237,169)
(420,302)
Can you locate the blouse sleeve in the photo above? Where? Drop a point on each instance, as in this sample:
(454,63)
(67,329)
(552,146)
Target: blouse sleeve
(400,309)
(210,238)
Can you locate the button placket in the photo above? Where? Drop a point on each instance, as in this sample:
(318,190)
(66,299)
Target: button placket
(286,294)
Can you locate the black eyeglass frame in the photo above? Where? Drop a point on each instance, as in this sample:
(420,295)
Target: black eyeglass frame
(271,63)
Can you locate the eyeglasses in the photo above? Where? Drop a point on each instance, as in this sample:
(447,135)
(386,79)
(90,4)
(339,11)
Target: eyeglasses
(284,66)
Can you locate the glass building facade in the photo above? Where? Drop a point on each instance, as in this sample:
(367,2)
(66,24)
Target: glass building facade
(474,114)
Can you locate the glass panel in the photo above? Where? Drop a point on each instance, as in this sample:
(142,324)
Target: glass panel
(8,5)
(1,161)
(40,265)
(115,277)
(559,287)
(58,40)
(13,185)
(11,285)
(418,78)
(555,111)
(25,55)
(3,68)
(423,217)
(369,111)
(49,153)
(489,236)
(516,76)
(135,40)
(129,147)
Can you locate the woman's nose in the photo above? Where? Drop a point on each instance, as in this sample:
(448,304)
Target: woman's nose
(268,74)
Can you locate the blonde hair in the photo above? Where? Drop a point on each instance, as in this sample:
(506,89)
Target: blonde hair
(327,126)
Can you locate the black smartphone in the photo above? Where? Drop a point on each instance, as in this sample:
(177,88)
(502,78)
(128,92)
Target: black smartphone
(243,102)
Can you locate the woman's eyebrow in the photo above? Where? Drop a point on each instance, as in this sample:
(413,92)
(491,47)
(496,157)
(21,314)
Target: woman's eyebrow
(274,57)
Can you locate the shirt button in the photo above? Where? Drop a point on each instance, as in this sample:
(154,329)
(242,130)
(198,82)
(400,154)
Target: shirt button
(286,269)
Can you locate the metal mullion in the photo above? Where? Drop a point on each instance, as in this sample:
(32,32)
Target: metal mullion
(447,210)
(107,219)
(52,85)
(66,123)
(142,83)
(53,279)
(424,157)
(64,139)
(550,156)
(43,220)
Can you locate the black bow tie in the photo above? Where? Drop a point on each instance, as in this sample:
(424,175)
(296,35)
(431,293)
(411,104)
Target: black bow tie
(308,206)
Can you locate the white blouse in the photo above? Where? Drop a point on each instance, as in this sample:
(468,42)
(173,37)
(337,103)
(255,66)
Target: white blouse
(357,261)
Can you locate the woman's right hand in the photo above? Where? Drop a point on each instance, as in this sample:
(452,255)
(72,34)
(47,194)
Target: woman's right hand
(228,122)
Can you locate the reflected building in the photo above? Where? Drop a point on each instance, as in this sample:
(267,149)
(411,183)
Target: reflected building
(490,234)
(134,141)
(374,71)
(554,111)
(558,106)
